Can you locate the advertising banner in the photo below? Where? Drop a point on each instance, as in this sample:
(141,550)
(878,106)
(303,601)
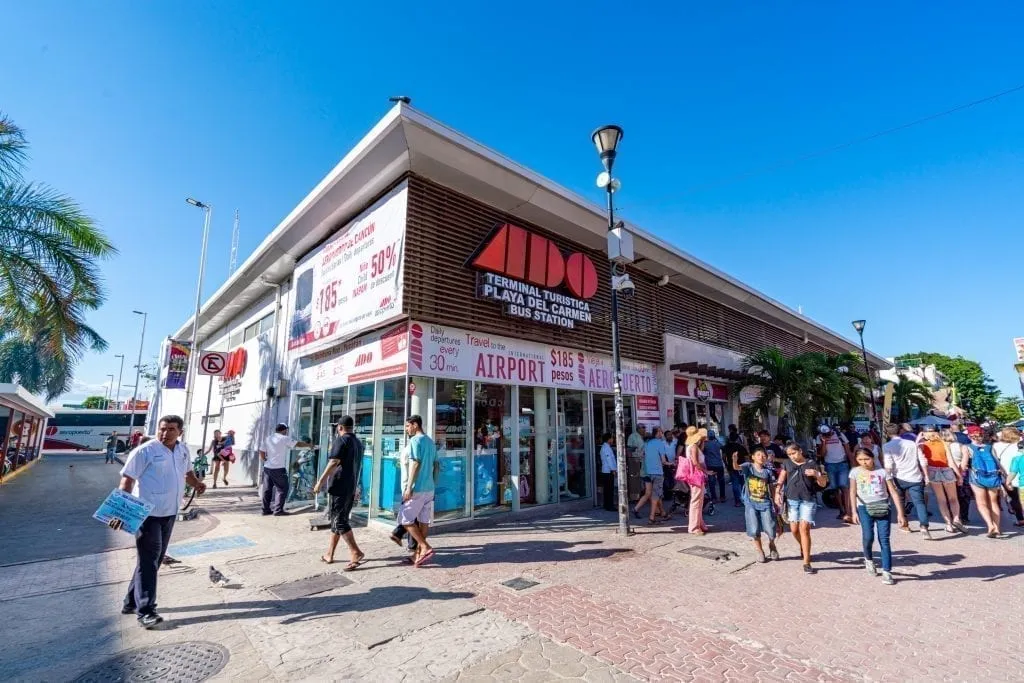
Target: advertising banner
(647,411)
(442,351)
(353,282)
(177,364)
(378,355)
(1018,346)
(1019,367)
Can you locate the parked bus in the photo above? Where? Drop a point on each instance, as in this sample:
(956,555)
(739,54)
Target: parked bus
(87,430)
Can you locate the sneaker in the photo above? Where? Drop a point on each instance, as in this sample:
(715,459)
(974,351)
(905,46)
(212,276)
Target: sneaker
(927,534)
(148,621)
(127,610)
(887,578)
(869,566)
(773,552)
(636,513)
(282,513)
(267,512)
(808,569)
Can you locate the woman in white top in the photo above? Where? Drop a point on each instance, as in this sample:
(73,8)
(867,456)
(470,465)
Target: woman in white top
(1005,451)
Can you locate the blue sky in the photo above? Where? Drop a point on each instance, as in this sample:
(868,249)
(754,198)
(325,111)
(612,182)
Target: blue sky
(130,107)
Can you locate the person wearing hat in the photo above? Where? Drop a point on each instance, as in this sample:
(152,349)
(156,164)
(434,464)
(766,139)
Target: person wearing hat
(835,452)
(274,479)
(697,477)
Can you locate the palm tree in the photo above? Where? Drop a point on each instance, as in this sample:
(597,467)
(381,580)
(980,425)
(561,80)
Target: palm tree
(783,383)
(49,279)
(840,389)
(908,394)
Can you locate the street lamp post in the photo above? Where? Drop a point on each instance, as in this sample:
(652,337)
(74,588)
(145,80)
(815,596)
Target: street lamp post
(138,371)
(110,390)
(193,350)
(606,139)
(859,326)
(120,375)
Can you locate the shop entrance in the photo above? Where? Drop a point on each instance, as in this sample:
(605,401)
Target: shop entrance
(709,415)
(604,414)
(303,463)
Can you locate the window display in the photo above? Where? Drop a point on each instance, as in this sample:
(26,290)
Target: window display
(361,401)
(392,439)
(451,426)
(575,450)
(538,456)
(492,447)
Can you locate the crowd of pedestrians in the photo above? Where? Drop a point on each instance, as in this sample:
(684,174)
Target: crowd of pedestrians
(872,482)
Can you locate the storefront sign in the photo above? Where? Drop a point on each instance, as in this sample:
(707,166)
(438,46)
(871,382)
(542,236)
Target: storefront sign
(231,381)
(702,389)
(647,411)
(354,281)
(527,273)
(449,352)
(378,355)
(177,365)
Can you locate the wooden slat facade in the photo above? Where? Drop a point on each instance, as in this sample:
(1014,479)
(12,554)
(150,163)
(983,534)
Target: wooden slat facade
(445,228)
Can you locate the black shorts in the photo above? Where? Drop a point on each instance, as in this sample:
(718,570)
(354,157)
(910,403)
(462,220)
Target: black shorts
(338,510)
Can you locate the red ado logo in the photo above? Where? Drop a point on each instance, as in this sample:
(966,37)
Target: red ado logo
(522,255)
(364,358)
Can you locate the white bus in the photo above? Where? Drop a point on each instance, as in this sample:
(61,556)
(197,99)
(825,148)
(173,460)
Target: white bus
(87,430)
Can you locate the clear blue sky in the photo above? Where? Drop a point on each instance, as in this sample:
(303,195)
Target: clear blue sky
(130,107)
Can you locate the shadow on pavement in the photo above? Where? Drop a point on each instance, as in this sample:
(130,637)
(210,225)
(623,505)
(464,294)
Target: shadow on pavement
(309,608)
(521,552)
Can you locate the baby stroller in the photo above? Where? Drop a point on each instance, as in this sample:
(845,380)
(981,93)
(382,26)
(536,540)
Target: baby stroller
(680,496)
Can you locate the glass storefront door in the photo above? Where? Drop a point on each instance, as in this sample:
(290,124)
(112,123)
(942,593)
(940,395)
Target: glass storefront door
(492,448)
(392,439)
(304,463)
(451,435)
(575,450)
(538,456)
(710,415)
(362,409)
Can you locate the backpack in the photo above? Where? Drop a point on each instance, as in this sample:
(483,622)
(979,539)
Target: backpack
(985,471)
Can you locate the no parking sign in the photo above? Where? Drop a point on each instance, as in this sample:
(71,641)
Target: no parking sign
(212,363)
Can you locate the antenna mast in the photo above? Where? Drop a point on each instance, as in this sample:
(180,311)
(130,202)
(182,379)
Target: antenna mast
(234,246)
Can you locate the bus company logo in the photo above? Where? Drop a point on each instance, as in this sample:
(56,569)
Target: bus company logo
(364,358)
(51,430)
(702,390)
(237,361)
(524,270)
(416,345)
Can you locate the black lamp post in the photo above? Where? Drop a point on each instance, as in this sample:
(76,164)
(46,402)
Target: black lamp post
(859,326)
(606,139)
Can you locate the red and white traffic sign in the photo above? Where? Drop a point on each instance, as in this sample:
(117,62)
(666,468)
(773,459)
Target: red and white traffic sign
(212,363)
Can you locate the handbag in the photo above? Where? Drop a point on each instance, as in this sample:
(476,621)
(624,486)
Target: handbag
(878,509)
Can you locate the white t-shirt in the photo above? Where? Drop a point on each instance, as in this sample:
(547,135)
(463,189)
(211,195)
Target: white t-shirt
(901,459)
(276,446)
(1006,452)
(870,484)
(835,450)
(608,460)
(159,475)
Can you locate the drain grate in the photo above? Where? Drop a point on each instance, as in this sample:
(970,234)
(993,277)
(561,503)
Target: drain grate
(189,661)
(311,586)
(519,583)
(716,554)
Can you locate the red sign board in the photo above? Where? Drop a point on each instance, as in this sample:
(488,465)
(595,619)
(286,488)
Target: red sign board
(700,389)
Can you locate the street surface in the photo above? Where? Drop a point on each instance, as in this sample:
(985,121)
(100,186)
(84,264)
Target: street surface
(602,609)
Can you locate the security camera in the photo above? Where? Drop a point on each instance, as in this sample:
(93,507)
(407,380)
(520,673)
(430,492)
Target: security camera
(622,284)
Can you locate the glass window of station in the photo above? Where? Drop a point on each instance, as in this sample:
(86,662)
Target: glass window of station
(499,447)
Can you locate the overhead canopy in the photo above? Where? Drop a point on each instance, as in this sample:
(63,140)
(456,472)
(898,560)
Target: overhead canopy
(14,396)
(930,421)
(709,371)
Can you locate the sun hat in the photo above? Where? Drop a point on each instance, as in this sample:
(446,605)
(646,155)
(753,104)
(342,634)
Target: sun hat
(694,435)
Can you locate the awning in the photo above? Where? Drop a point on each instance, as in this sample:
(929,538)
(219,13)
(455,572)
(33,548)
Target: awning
(14,396)
(708,371)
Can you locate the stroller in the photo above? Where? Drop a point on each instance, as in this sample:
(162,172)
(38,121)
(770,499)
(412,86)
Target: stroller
(679,493)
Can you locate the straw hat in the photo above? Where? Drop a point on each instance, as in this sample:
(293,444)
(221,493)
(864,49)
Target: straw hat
(694,435)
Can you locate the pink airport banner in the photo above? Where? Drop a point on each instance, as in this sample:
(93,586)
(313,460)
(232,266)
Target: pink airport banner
(441,351)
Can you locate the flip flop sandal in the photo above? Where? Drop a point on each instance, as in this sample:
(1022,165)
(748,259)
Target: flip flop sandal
(429,554)
(354,564)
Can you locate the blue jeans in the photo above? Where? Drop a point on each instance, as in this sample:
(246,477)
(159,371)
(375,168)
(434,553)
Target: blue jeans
(867,535)
(916,492)
(736,479)
(759,521)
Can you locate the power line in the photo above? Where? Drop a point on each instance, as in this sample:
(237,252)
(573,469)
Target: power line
(835,148)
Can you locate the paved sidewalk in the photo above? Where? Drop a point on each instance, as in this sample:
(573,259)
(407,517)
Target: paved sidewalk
(599,608)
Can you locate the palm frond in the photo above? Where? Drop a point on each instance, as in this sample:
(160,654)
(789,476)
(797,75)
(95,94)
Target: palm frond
(13,149)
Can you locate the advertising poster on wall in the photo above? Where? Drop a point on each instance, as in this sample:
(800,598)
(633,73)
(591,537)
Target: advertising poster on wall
(377,355)
(647,411)
(353,282)
(450,352)
(177,364)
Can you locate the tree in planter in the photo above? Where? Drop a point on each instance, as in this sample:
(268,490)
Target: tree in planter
(907,395)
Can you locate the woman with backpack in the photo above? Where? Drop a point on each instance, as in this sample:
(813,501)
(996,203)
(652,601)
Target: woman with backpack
(800,481)
(987,478)
(759,510)
(871,495)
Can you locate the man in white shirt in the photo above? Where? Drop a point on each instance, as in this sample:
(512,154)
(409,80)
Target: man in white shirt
(274,479)
(906,464)
(156,472)
(609,467)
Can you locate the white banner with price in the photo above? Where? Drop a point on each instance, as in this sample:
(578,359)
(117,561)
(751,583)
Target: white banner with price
(353,282)
(442,351)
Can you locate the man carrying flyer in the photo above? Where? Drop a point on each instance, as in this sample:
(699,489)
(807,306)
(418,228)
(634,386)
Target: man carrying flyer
(155,472)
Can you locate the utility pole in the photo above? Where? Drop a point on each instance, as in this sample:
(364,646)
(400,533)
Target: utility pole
(234,246)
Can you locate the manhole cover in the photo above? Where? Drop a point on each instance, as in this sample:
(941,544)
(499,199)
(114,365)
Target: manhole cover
(189,661)
(519,583)
(707,553)
(311,586)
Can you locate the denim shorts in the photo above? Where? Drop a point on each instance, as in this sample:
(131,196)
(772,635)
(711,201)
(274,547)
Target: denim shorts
(941,475)
(657,487)
(801,511)
(759,521)
(838,475)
